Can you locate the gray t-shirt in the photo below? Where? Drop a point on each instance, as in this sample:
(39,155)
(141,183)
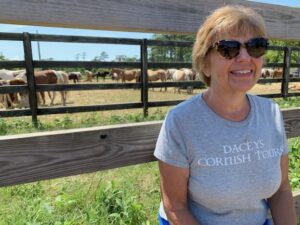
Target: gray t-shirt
(234,166)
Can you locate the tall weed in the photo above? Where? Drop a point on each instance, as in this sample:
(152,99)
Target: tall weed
(120,205)
(294,164)
(288,102)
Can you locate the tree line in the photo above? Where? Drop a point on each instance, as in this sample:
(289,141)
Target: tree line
(183,54)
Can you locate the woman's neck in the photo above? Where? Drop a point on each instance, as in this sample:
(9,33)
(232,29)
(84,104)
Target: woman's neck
(234,107)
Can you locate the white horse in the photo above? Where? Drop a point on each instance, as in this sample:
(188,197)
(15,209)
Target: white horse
(9,74)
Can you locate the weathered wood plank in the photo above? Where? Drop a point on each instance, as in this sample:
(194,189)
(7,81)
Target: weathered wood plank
(296,195)
(31,157)
(292,122)
(88,108)
(153,16)
(38,156)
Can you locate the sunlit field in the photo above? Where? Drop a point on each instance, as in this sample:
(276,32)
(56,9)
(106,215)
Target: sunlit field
(103,97)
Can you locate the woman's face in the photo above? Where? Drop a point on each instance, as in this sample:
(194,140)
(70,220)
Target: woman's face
(236,75)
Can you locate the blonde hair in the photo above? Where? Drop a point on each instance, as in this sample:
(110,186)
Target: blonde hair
(226,21)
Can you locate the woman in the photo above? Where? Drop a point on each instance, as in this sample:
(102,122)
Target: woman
(223,154)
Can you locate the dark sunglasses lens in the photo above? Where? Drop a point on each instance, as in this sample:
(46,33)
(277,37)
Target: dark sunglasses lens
(257,47)
(228,49)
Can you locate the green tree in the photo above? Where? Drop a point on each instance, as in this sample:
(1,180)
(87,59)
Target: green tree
(2,57)
(102,57)
(171,53)
(278,56)
(124,58)
(49,59)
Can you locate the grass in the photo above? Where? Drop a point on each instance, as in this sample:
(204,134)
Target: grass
(21,125)
(128,195)
(294,163)
(289,102)
(108,197)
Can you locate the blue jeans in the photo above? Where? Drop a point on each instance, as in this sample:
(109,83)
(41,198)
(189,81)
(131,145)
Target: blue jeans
(162,221)
(268,222)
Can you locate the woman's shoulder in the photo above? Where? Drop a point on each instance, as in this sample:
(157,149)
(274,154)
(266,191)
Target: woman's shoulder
(265,104)
(262,100)
(187,107)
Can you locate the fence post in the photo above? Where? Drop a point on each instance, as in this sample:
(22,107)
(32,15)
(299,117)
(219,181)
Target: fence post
(144,76)
(286,72)
(30,77)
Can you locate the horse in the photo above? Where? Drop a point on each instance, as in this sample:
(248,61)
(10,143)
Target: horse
(9,74)
(43,77)
(8,100)
(75,76)
(125,75)
(62,78)
(278,73)
(184,74)
(102,74)
(155,75)
(89,76)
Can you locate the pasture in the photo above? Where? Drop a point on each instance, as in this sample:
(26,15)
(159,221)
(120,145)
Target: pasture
(99,118)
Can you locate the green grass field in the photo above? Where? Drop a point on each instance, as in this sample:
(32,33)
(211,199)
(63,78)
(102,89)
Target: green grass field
(128,195)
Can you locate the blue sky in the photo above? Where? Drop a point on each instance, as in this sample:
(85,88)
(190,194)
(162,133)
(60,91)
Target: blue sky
(68,51)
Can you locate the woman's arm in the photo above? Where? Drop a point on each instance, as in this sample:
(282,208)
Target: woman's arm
(173,183)
(281,203)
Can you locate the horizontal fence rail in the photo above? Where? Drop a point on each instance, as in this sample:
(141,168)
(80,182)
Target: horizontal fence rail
(44,155)
(153,16)
(143,86)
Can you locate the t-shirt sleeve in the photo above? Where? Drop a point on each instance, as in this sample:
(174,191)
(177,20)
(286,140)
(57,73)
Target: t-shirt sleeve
(170,146)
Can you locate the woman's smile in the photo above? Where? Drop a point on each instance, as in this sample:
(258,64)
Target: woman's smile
(242,73)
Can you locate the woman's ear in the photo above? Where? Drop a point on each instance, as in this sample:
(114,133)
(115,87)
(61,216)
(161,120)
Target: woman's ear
(206,71)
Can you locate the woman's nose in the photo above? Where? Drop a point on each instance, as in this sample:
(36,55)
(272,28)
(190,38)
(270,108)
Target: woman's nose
(243,55)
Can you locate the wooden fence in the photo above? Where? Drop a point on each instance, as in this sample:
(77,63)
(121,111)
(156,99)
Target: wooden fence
(144,64)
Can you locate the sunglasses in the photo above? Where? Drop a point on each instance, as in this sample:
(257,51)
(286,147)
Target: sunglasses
(256,47)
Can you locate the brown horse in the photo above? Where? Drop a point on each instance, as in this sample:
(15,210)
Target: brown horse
(155,75)
(49,77)
(278,73)
(46,77)
(8,100)
(89,76)
(125,75)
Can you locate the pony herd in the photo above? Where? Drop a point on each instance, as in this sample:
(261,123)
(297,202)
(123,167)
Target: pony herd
(19,77)
(129,75)
(21,100)
(276,73)
(183,74)
(271,73)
